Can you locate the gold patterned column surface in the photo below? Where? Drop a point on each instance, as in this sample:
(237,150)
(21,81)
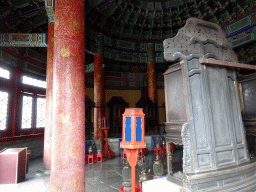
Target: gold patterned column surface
(49,104)
(68,133)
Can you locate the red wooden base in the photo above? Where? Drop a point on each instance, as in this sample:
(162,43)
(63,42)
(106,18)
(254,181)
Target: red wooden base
(123,154)
(137,189)
(143,152)
(92,158)
(100,157)
(158,150)
(108,153)
(164,149)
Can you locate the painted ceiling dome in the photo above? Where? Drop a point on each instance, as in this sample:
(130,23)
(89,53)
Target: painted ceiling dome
(129,25)
(129,19)
(156,20)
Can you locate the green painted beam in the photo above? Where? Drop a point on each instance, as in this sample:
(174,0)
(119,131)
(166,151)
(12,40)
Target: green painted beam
(23,40)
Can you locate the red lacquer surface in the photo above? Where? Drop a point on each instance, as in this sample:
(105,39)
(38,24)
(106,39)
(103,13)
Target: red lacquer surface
(99,96)
(48,115)
(68,133)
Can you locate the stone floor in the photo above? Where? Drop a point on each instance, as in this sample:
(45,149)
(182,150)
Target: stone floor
(100,177)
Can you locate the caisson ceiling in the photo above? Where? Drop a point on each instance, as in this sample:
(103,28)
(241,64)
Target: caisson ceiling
(133,19)
(128,25)
(147,20)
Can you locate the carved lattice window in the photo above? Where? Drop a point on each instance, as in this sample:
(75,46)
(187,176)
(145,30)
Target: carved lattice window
(40,112)
(27,102)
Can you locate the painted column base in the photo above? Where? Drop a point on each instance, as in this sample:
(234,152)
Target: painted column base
(240,178)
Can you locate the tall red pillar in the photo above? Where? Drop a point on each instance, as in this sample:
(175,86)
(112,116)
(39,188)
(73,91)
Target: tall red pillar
(68,133)
(99,90)
(15,102)
(151,79)
(49,109)
(151,73)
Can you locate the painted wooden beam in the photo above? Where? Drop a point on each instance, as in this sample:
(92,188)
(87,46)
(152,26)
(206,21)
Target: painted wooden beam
(49,7)
(23,40)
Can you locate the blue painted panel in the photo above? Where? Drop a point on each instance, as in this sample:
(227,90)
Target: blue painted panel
(128,131)
(138,129)
(106,123)
(103,123)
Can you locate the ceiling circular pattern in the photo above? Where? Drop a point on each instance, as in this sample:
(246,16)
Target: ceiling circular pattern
(156,20)
(129,25)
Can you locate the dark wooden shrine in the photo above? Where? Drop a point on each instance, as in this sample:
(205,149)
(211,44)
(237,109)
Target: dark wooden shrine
(89,105)
(116,107)
(203,112)
(150,111)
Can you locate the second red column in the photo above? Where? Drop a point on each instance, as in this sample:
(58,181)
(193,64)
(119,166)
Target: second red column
(99,90)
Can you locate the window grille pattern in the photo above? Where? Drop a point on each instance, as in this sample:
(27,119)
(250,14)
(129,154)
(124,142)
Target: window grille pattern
(40,112)
(4,73)
(26,112)
(34,82)
(3,109)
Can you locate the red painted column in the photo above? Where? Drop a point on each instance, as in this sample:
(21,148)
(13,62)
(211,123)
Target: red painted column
(68,133)
(151,73)
(15,102)
(151,80)
(99,90)
(49,106)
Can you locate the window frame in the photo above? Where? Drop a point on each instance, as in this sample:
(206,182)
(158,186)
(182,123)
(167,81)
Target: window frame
(33,129)
(35,92)
(16,89)
(39,96)
(30,129)
(5,131)
(6,85)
